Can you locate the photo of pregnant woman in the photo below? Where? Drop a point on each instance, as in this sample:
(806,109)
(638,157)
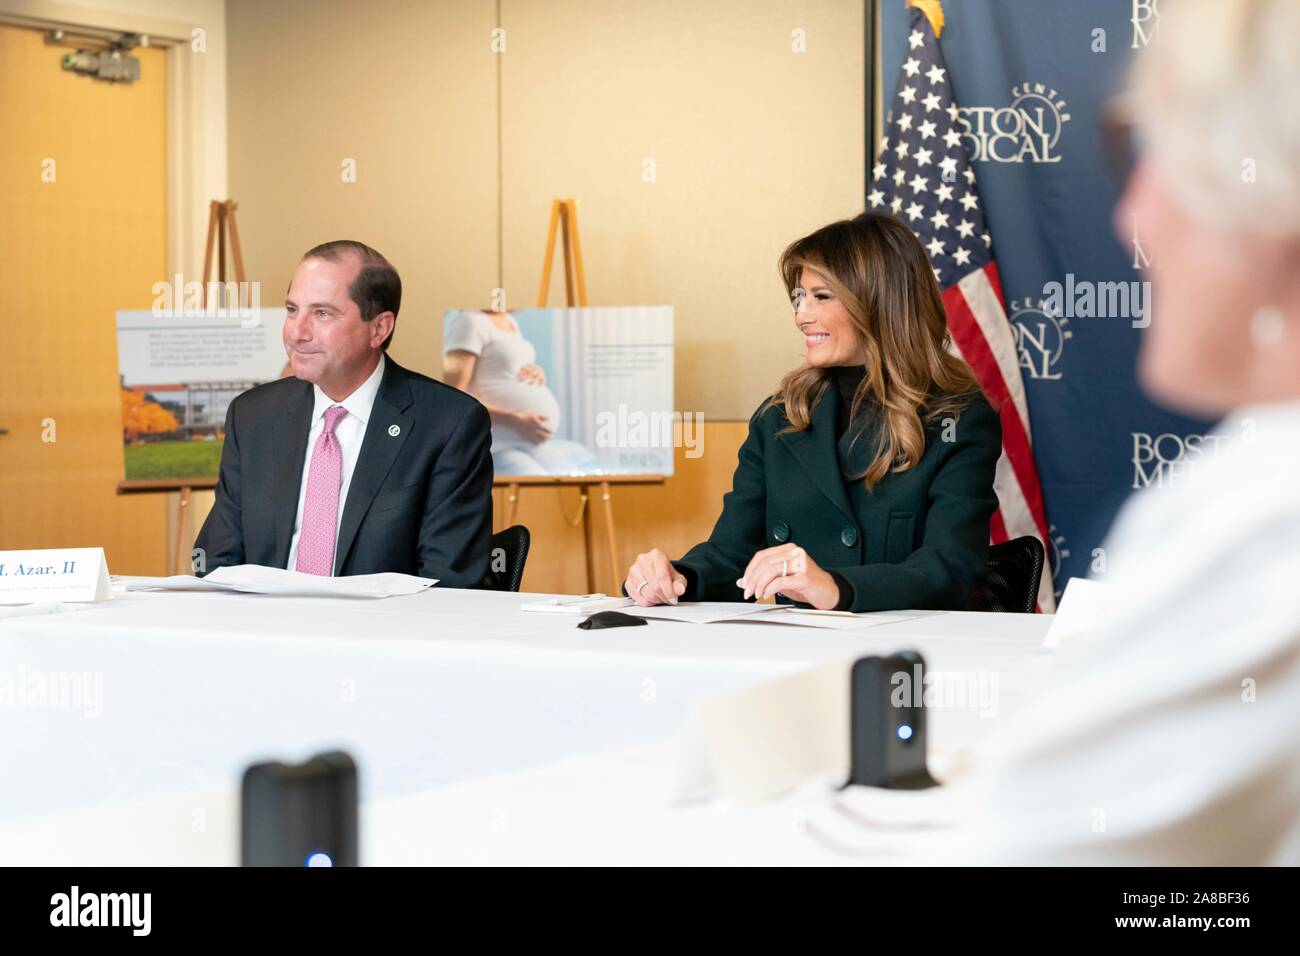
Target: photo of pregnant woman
(487,356)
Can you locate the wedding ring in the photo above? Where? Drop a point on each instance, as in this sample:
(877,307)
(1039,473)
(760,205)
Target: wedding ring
(640,587)
(785,567)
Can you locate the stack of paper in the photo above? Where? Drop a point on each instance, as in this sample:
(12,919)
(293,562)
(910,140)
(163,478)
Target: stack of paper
(255,579)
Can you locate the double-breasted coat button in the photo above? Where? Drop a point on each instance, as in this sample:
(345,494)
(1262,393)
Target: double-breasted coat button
(781,532)
(849,536)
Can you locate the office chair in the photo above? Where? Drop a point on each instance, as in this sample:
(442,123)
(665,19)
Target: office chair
(509,552)
(1009,582)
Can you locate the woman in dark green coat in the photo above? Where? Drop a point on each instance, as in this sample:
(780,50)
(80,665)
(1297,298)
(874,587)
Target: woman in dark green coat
(866,481)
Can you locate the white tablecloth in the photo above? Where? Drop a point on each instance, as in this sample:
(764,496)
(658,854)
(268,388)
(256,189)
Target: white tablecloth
(439,688)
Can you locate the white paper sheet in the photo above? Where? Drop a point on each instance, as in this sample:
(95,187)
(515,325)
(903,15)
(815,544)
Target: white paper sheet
(1082,609)
(701,612)
(577,605)
(255,579)
(838,621)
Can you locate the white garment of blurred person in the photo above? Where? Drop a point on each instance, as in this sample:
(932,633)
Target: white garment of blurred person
(487,356)
(1171,734)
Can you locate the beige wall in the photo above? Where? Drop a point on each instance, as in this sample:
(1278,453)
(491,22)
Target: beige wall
(752,143)
(408,91)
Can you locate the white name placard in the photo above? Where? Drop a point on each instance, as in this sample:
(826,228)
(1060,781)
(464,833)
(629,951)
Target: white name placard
(62,574)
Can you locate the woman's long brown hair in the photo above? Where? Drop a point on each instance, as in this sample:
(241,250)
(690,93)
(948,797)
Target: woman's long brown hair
(879,271)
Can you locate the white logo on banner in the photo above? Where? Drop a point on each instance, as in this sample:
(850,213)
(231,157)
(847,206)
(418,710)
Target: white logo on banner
(1040,338)
(1146,22)
(1027,131)
(1056,552)
(1165,460)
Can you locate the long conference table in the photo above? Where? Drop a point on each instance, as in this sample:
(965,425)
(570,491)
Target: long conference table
(483,733)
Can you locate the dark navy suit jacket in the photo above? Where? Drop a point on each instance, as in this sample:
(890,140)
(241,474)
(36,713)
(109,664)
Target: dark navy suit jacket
(420,500)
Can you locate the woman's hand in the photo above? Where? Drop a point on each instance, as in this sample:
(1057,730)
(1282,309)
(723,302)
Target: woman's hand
(532,374)
(532,426)
(803,580)
(653,580)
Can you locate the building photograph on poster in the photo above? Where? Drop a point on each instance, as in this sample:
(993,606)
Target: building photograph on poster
(571,392)
(178,375)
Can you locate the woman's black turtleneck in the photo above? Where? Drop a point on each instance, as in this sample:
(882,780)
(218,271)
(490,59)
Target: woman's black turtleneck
(847,379)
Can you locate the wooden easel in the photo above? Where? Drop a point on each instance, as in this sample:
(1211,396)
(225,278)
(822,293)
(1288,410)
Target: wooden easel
(564,221)
(221,220)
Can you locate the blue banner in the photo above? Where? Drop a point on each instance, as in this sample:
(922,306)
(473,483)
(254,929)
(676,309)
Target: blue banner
(1030,79)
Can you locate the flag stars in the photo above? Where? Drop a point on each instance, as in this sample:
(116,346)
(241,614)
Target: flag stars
(918,172)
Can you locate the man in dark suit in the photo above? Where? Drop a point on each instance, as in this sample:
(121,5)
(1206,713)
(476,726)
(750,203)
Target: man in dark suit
(355,465)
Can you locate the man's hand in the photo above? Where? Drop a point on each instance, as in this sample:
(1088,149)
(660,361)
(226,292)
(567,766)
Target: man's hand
(787,569)
(653,580)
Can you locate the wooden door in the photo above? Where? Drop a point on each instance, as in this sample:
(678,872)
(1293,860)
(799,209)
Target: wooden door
(82,234)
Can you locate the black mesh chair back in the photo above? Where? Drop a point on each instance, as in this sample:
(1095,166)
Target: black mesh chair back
(506,564)
(1009,582)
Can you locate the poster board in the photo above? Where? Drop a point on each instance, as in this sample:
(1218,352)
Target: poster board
(178,374)
(600,380)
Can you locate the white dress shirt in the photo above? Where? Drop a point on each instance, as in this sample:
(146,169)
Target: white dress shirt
(1169,735)
(350,432)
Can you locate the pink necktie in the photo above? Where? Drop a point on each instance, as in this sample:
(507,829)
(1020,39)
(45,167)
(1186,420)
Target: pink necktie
(320,510)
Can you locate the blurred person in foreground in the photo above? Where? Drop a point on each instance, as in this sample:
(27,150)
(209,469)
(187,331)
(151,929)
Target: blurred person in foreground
(1169,734)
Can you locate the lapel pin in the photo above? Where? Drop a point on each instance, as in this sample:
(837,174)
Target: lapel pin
(394,430)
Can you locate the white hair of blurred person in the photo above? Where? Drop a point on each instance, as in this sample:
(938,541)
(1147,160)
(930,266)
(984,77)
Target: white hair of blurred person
(1215,198)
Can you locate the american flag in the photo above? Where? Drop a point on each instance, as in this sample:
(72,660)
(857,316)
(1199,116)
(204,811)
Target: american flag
(924,177)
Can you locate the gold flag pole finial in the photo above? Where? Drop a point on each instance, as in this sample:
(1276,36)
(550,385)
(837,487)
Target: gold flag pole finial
(933,10)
